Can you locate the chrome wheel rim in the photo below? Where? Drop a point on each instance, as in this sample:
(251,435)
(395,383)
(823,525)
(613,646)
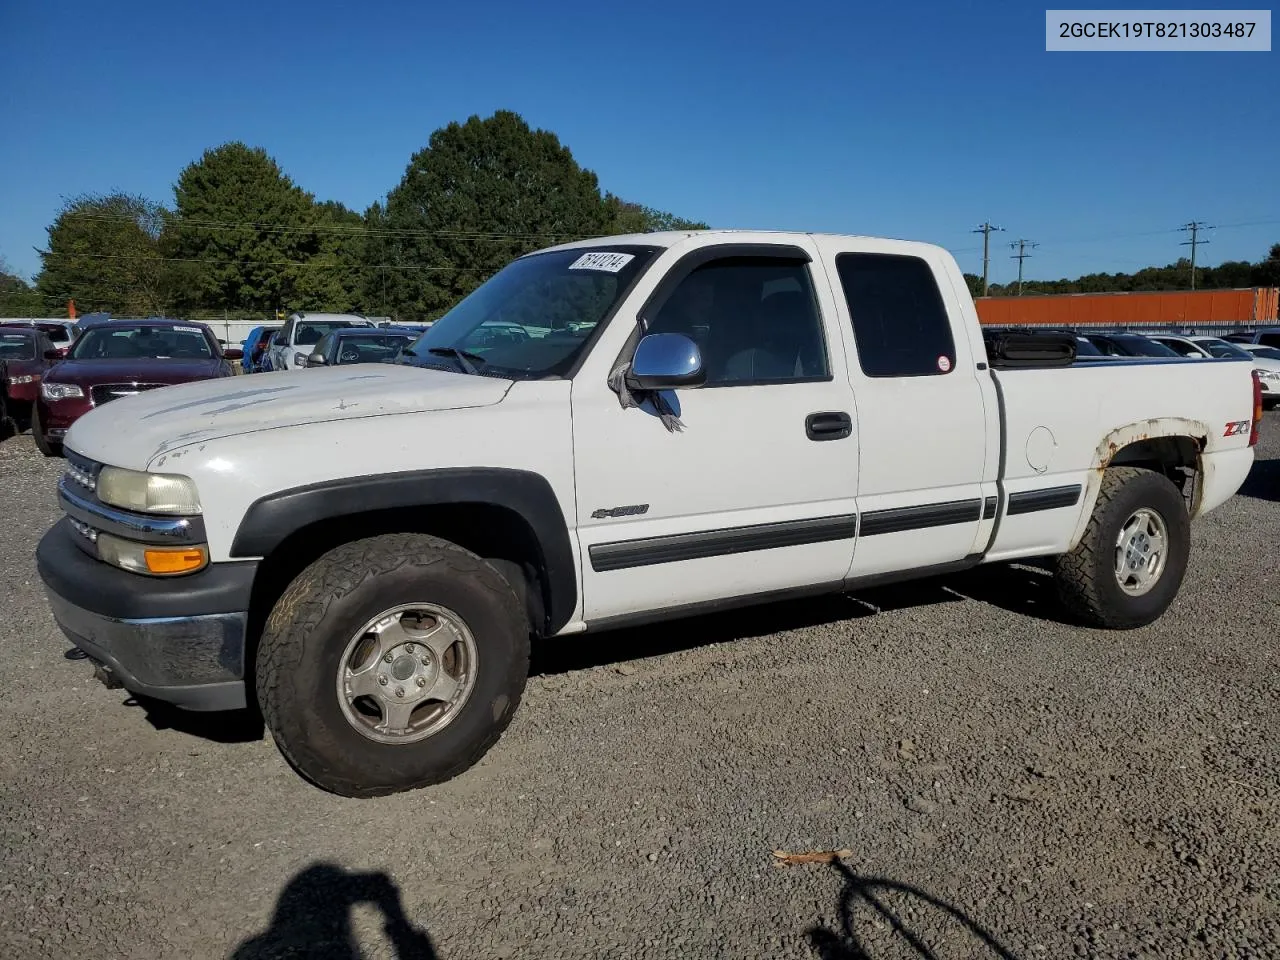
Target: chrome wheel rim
(1142,547)
(407,673)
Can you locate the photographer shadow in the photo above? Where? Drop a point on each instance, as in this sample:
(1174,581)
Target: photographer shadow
(313,918)
(883,903)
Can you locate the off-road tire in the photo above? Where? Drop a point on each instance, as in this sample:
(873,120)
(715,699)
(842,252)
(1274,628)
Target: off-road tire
(323,608)
(1086,579)
(50,448)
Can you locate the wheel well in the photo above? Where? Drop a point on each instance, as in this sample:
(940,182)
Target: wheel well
(498,534)
(1178,458)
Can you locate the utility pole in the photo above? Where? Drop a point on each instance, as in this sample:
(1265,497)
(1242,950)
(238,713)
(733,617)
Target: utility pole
(985,229)
(1021,246)
(1194,228)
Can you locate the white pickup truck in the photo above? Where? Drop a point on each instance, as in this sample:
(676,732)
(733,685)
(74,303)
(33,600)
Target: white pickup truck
(610,432)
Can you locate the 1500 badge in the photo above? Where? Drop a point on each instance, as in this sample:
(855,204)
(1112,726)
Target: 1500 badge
(633,510)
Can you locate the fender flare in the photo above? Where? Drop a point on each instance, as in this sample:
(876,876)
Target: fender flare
(272,518)
(1127,435)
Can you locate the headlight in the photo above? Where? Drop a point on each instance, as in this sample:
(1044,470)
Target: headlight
(150,559)
(148,492)
(299,359)
(60,391)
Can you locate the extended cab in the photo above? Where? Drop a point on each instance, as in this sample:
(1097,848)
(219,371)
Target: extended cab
(693,421)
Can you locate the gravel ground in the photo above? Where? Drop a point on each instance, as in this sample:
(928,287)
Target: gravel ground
(1007,785)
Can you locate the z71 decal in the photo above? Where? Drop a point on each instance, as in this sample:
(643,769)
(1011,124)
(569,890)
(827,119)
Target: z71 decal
(1236,428)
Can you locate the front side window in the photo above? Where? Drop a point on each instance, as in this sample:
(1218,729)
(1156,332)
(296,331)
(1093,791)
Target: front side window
(129,341)
(900,323)
(535,316)
(755,320)
(1182,347)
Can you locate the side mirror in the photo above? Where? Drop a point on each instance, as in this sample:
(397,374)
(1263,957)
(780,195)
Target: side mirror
(666,361)
(233,353)
(315,360)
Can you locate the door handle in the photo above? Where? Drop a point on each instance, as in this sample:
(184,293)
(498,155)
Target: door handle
(828,426)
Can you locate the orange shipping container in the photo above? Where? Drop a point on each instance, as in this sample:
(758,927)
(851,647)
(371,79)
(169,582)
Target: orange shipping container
(1250,306)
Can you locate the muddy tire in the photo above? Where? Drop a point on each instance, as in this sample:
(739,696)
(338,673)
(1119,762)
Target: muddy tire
(391,663)
(1128,566)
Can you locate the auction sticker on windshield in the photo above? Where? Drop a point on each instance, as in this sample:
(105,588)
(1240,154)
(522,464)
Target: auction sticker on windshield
(608,262)
(188,329)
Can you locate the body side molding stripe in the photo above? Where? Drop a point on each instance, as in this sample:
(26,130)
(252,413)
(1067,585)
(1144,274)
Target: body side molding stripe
(901,519)
(1050,498)
(624,554)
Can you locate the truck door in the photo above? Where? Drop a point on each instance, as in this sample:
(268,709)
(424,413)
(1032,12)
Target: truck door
(755,495)
(927,428)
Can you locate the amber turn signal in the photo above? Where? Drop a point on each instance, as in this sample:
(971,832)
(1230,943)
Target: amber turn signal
(170,561)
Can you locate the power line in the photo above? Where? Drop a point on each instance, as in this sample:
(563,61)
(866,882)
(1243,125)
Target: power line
(1194,228)
(985,229)
(247,263)
(1021,246)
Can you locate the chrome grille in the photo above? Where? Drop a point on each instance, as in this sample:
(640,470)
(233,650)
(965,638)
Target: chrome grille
(105,392)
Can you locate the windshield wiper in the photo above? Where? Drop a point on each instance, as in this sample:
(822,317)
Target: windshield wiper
(464,357)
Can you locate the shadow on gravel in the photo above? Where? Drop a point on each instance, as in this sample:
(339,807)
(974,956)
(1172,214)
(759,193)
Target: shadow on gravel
(232,726)
(1263,482)
(882,904)
(313,918)
(1025,589)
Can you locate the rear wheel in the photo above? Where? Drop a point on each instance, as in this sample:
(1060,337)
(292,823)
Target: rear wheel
(1128,566)
(391,663)
(50,448)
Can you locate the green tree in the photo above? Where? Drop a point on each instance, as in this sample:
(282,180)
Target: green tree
(105,253)
(1266,273)
(479,194)
(242,227)
(17,297)
(630,217)
(332,279)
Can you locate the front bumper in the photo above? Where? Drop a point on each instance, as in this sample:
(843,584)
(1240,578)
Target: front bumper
(57,416)
(180,639)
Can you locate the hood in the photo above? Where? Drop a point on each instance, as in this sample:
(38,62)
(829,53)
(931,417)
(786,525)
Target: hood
(88,373)
(1266,363)
(131,431)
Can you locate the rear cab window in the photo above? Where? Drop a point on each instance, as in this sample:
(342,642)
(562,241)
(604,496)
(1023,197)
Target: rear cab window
(901,327)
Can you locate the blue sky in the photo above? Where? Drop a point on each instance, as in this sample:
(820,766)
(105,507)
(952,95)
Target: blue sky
(915,121)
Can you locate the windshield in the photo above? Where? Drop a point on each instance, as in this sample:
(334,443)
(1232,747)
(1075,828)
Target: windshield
(56,332)
(308,333)
(1270,353)
(1085,348)
(1224,350)
(126,341)
(17,346)
(535,316)
(371,347)
(1142,347)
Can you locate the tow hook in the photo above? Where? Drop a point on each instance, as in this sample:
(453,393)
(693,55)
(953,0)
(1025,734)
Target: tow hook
(106,677)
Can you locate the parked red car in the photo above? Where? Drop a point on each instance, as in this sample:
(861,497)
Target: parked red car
(23,362)
(117,358)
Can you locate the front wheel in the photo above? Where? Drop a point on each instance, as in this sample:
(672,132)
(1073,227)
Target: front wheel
(1128,566)
(391,663)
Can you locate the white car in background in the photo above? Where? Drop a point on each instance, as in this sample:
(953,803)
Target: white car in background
(294,341)
(1266,360)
